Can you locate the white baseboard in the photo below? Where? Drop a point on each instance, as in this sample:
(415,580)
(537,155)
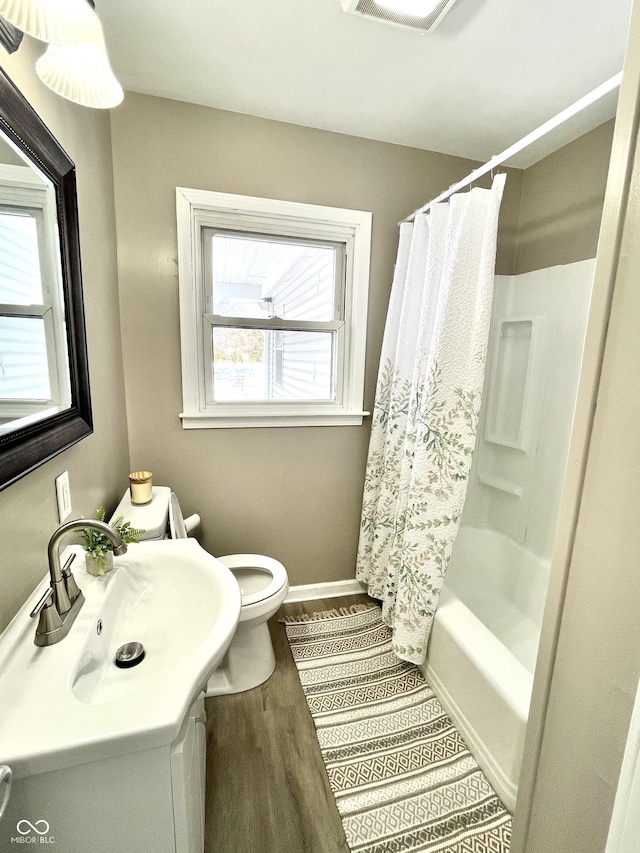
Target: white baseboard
(309,591)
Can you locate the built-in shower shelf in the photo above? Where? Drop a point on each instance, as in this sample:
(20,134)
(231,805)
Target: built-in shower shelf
(515,378)
(501,485)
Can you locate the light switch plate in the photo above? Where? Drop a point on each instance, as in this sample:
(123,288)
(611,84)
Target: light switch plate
(63,494)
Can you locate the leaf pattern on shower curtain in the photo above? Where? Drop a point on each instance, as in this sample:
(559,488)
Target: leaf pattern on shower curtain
(426,410)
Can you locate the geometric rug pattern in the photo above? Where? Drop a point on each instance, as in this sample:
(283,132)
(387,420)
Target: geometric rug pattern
(403,778)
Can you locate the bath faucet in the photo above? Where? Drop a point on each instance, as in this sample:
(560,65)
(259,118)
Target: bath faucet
(61,603)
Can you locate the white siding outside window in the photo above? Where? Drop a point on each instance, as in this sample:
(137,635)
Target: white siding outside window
(33,353)
(306,358)
(273,301)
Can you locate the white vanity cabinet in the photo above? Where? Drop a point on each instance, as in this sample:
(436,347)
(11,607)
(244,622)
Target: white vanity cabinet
(188,769)
(150,801)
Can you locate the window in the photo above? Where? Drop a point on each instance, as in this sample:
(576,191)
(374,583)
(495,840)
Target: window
(33,354)
(273,302)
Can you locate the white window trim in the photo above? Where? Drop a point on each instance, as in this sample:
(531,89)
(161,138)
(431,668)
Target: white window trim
(199,208)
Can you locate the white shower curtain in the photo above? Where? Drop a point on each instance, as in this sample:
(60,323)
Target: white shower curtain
(426,410)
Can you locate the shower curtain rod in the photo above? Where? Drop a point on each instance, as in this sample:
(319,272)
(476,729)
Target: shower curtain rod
(525,142)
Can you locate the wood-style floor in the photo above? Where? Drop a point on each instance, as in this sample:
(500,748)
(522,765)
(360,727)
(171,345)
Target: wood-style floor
(267,789)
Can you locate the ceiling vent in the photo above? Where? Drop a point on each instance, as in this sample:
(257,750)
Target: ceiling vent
(418,14)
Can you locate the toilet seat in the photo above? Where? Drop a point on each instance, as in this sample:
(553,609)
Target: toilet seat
(260,578)
(267,578)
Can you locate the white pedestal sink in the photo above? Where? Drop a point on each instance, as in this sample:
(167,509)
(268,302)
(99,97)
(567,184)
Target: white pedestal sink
(112,759)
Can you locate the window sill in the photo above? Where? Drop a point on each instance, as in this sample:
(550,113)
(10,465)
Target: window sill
(206,420)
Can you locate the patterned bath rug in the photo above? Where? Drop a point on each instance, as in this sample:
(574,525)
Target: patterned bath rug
(403,778)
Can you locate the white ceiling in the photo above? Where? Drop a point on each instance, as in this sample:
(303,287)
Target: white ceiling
(492,71)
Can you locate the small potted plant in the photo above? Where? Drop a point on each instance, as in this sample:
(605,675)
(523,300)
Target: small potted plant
(99,550)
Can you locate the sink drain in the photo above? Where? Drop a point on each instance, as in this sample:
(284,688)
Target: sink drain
(131,654)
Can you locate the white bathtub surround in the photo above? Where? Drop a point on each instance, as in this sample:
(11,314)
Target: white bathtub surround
(484,642)
(426,411)
(504,584)
(539,322)
(483,646)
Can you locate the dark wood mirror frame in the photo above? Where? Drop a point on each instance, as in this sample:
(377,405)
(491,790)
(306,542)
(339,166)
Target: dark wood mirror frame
(27,448)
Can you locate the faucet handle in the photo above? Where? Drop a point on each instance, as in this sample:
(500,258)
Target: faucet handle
(49,617)
(69,581)
(44,602)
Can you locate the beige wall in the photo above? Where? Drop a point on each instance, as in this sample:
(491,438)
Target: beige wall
(561,203)
(293,493)
(98,465)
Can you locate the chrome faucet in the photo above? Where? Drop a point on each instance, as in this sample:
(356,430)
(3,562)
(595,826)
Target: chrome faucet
(61,603)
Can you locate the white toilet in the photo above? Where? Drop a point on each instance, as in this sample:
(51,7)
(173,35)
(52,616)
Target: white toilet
(263,582)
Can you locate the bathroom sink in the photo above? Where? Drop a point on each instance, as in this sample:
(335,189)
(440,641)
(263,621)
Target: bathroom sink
(170,605)
(69,703)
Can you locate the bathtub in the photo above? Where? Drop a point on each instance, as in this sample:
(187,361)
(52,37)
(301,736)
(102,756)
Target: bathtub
(483,648)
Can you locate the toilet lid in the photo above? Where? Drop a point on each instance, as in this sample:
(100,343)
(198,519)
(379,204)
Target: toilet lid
(258,577)
(176,520)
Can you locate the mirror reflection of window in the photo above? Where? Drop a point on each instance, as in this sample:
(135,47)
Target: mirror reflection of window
(24,372)
(33,355)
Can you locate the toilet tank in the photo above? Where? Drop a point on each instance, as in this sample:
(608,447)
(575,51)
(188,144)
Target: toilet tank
(153,517)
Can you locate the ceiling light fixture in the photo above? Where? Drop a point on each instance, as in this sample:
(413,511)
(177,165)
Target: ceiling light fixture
(416,8)
(81,74)
(76,64)
(423,15)
(68,22)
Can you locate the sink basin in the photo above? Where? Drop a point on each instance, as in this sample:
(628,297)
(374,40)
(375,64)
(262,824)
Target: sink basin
(168,605)
(175,599)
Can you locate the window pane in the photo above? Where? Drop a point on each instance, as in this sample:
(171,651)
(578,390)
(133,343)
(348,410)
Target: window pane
(24,371)
(252,364)
(254,277)
(20,282)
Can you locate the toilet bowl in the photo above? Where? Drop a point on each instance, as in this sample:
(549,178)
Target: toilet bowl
(250,660)
(263,583)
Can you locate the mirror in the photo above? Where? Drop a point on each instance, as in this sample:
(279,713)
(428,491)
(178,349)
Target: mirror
(45,404)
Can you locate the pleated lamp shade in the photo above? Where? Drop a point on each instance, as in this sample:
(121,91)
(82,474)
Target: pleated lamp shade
(68,22)
(81,74)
